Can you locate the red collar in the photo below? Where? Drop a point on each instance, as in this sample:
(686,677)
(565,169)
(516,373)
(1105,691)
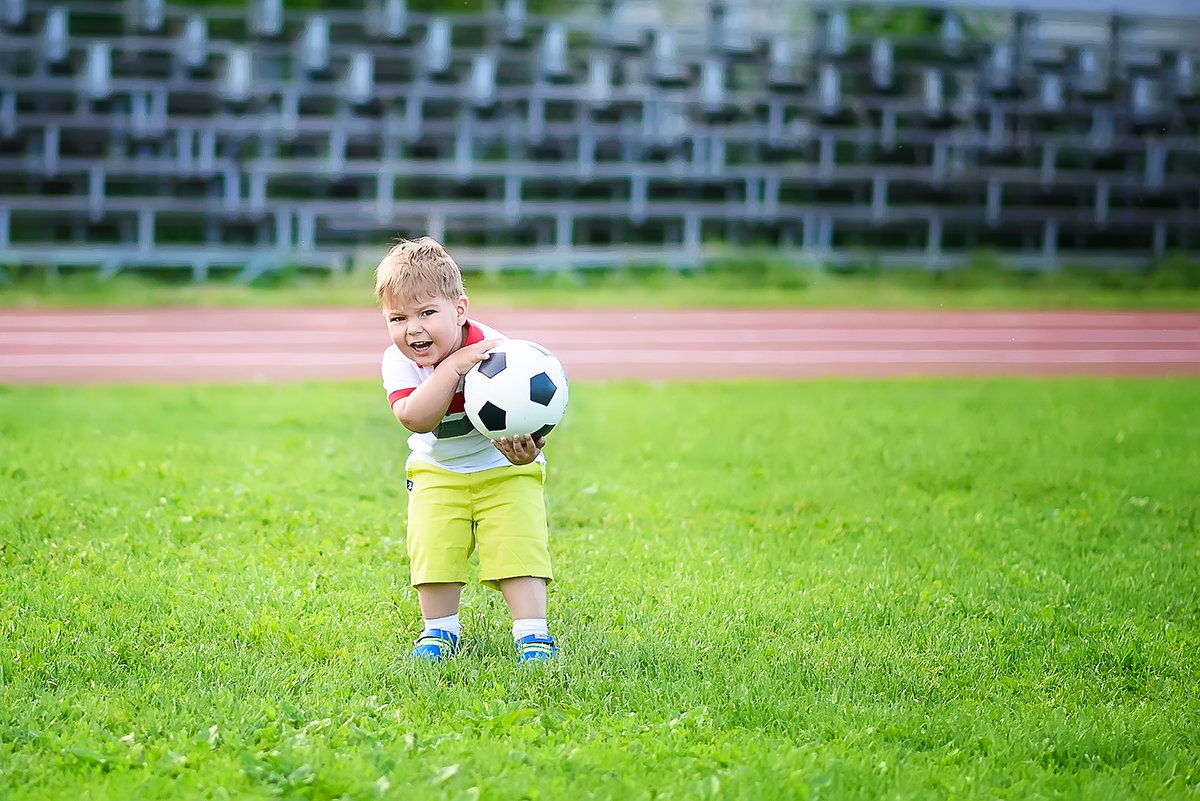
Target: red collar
(474,334)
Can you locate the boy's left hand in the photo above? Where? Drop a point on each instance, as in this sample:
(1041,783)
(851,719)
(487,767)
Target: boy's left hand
(520,450)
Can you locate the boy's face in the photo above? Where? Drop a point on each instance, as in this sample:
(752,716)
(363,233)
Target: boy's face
(426,329)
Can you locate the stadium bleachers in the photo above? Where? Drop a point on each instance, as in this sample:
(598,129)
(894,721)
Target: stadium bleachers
(146,134)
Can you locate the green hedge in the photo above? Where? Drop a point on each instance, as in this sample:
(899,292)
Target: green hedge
(440,6)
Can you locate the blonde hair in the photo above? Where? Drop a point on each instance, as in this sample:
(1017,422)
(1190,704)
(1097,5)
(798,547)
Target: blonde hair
(417,268)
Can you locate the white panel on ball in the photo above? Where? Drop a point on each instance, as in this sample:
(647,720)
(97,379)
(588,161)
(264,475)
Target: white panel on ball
(520,388)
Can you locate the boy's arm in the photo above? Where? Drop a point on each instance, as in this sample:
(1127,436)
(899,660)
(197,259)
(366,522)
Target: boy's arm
(423,409)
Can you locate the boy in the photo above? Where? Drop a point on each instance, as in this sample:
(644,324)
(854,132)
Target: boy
(465,491)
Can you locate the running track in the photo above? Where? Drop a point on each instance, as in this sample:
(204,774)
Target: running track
(185,344)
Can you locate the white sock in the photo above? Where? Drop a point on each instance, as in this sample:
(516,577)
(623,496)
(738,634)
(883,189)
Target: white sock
(523,627)
(449,623)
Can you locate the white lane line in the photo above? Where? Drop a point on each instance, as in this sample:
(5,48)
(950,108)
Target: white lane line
(505,319)
(637,338)
(203,358)
(518,319)
(644,357)
(804,336)
(886,356)
(836,317)
(186,316)
(12,321)
(142,339)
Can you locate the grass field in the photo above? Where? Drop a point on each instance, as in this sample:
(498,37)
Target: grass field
(827,589)
(746,282)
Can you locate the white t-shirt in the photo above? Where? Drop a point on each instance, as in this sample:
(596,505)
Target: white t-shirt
(455,444)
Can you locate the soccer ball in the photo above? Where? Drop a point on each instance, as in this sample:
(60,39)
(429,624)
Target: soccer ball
(520,388)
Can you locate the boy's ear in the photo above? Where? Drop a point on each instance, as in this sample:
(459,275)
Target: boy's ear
(461,309)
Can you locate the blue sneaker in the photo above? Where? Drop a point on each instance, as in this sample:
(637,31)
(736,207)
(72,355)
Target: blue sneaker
(536,648)
(436,645)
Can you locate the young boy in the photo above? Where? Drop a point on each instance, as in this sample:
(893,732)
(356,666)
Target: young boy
(465,491)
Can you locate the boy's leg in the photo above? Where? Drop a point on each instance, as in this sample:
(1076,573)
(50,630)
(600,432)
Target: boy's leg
(439,608)
(439,541)
(526,598)
(439,600)
(514,554)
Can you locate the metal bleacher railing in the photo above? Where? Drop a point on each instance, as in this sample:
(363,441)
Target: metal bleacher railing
(147,134)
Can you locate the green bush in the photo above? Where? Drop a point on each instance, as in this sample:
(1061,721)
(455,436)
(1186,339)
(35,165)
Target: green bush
(1177,271)
(421,6)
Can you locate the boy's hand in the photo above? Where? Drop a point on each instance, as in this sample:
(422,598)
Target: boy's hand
(467,357)
(520,450)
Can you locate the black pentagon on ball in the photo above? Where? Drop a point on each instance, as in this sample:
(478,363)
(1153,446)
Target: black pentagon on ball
(492,417)
(542,389)
(492,365)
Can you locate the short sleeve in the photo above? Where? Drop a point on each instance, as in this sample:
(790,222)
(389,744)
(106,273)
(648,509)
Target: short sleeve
(400,375)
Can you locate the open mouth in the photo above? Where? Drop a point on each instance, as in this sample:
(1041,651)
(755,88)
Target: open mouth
(421,348)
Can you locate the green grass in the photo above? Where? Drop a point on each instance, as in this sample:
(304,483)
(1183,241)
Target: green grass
(744,281)
(824,589)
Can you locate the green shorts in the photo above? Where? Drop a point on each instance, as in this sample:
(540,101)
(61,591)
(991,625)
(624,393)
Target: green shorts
(501,511)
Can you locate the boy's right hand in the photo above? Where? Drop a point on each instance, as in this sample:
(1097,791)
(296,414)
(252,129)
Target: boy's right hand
(468,356)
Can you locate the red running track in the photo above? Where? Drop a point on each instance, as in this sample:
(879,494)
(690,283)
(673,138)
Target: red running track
(74,346)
